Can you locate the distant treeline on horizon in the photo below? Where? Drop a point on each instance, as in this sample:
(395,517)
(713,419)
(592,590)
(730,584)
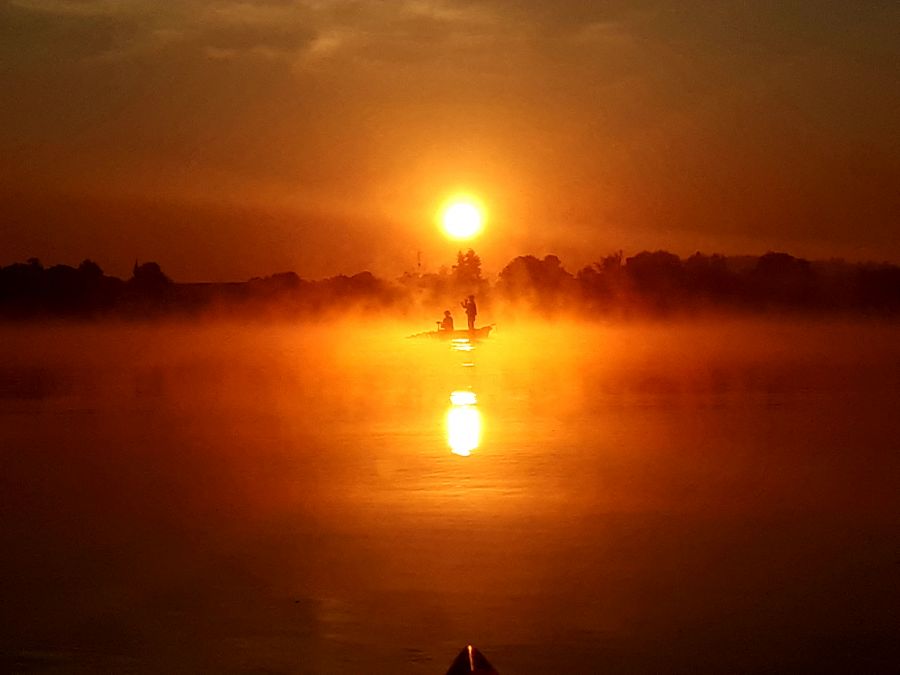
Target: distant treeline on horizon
(649,283)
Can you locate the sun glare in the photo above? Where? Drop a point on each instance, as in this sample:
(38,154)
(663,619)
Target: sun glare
(462,218)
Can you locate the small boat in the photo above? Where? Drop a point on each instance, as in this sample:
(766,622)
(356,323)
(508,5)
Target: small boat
(461,334)
(470,660)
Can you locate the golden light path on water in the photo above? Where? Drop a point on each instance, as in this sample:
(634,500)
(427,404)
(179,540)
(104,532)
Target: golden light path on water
(463,423)
(461,345)
(463,419)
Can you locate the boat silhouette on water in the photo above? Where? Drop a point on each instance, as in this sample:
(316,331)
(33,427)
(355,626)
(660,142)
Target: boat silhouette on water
(461,334)
(470,660)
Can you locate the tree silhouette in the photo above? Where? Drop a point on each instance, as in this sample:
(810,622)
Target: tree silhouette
(544,282)
(603,283)
(149,277)
(782,279)
(88,269)
(467,270)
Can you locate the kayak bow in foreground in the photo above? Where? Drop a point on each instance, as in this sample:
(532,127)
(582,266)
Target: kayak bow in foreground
(470,660)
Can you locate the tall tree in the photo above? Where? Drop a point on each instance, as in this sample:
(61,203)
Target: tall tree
(467,270)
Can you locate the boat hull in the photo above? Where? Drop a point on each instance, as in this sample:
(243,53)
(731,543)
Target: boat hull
(464,334)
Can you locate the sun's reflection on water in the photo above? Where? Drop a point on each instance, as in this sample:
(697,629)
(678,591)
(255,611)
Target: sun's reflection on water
(463,423)
(461,345)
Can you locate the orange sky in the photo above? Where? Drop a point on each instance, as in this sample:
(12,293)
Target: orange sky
(232,139)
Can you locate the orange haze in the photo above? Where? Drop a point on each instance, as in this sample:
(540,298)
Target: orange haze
(227,140)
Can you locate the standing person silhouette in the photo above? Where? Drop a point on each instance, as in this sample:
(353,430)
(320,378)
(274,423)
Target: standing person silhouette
(471,310)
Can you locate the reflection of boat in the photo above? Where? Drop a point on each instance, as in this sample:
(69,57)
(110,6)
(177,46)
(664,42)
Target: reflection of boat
(470,660)
(463,334)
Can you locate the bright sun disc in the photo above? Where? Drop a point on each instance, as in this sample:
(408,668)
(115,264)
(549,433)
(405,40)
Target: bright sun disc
(462,219)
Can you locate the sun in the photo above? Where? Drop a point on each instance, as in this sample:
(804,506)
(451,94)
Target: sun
(462,218)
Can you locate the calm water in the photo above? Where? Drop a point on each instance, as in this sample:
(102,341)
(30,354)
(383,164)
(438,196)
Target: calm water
(707,497)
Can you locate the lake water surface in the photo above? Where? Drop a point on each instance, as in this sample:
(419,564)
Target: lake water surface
(709,496)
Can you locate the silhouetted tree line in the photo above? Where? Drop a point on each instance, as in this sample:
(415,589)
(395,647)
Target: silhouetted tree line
(660,282)
(30,290)
(655,282)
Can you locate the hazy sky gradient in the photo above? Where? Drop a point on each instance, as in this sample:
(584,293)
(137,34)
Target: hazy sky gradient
(232,139)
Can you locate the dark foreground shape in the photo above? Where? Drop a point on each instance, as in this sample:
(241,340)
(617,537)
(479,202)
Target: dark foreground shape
(470,660)
(475,334)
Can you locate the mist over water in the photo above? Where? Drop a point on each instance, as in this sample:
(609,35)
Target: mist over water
(710,495)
